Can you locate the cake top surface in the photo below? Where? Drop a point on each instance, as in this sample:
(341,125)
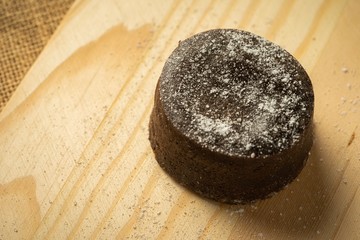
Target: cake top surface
(236,93)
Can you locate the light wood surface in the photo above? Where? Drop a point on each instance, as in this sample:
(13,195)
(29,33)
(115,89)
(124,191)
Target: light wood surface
(75,161)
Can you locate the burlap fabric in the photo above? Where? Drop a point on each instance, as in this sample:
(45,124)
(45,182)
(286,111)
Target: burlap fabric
(25,28)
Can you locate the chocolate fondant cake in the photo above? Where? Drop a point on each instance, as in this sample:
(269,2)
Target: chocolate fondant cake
(232,118)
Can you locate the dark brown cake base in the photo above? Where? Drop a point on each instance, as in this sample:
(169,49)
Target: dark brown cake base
(221,178)
(208,169)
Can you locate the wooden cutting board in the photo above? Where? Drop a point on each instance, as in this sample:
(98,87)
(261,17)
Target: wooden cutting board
(75,161)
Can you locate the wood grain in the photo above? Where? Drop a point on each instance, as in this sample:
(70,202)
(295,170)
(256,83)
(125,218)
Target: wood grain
(75,159)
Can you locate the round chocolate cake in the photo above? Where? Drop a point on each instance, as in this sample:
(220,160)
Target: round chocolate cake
(232,118)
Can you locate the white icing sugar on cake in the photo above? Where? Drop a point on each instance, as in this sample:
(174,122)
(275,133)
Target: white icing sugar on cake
(236,93)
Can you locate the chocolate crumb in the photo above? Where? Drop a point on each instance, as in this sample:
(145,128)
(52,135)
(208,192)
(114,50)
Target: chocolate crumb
(352,137)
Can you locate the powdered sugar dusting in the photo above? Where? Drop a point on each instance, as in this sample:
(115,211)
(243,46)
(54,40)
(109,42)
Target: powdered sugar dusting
(216,126)
(236,93)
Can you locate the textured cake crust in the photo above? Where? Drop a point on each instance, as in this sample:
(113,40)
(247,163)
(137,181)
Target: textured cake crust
(232,118)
